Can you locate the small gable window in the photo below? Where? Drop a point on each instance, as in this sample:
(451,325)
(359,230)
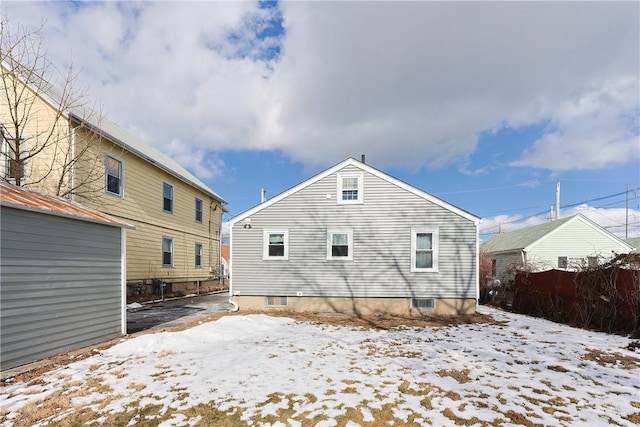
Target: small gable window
(350,188)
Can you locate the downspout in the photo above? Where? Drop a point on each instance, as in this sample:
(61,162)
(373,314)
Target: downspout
(477,266)
(210,238)
(231,301)
(220,278)
(123,279)
(73,163)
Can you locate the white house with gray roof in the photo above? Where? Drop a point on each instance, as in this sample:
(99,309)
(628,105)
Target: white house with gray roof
(570,243)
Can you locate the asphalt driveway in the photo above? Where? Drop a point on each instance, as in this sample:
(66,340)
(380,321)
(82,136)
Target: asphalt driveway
(175,312)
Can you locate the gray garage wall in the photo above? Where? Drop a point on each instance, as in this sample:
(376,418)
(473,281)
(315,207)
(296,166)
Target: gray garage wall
(60,285)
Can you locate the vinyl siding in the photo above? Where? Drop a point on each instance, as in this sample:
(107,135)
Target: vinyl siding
(142,207)
(381,265)
(43,122)
(506,264)
(60,285)
(576,239)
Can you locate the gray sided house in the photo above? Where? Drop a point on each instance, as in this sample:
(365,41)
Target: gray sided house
(353,239)
(62,276)
(570,243)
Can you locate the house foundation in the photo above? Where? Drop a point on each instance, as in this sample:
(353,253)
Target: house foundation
(358,306)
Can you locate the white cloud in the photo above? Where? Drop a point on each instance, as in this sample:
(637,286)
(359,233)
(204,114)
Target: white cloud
(597,130)
(409,84)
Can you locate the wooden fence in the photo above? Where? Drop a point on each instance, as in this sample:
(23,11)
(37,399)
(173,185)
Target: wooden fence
(606,299)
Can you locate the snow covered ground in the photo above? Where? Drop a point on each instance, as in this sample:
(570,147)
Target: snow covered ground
(278,371)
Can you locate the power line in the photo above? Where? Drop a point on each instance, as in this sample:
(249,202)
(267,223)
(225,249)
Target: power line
(477,190)
(562,207)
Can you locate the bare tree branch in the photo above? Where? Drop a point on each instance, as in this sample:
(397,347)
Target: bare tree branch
(40,148)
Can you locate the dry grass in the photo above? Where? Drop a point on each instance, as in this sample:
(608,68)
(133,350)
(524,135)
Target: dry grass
(380,321)
(605,358)
(462,376)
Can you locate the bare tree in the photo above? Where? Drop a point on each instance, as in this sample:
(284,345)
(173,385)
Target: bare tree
(41,117)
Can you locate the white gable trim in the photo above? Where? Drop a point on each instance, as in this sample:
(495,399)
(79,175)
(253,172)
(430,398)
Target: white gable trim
(587,221)
(365,168)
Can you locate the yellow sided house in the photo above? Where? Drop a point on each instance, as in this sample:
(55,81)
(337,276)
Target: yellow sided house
(54,145)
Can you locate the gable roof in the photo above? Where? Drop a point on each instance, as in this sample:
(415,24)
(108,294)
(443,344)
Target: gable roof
(366,168)
(29,200)
(84,115)
(523,239)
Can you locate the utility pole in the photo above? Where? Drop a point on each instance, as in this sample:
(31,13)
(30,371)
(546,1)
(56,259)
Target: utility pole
(626,215)
(558,200)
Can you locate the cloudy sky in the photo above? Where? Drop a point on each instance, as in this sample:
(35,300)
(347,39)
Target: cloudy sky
(484,104)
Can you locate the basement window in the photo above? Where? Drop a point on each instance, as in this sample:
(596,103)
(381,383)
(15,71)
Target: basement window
(276,301)
(423,303)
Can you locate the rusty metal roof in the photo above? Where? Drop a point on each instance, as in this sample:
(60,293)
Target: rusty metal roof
(21,198)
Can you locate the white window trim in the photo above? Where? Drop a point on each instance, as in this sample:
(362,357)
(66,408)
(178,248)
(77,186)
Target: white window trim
(340,179)
(195,254)
(436,238)
(172,198)
(106,177)
(422,308)
(265,245)
(6,158)
(349,233)
(173,252)
(195,208)
(280,297)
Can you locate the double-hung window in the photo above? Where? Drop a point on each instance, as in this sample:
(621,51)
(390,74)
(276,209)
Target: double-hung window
(167,197)
(199,210)
(14,152)
(198,254)
(276,245)
(113,175)
(424,250)
(340,244)
(350,188)
(167,252)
